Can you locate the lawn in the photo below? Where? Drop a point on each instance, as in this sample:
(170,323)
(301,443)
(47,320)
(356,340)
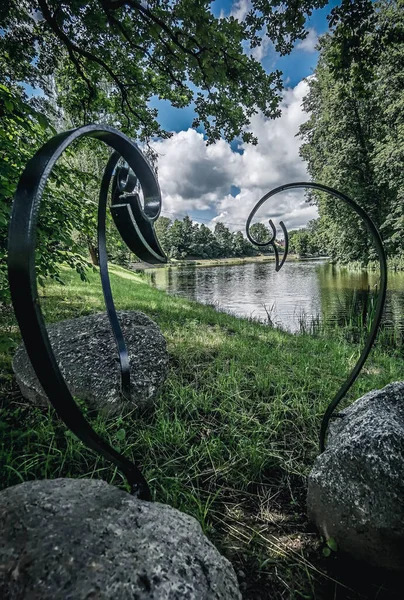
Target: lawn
(230,440)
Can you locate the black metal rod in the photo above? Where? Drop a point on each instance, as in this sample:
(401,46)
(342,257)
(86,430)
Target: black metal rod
(105,281)
(271,241)
(286,248)
(380,299)
(23,284)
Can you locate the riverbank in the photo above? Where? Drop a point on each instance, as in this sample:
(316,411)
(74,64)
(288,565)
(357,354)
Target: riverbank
(215,262)
(230,441)
(394,263)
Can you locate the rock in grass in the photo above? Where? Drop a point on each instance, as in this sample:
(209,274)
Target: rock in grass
(87,356)
(81,539)
(356,487)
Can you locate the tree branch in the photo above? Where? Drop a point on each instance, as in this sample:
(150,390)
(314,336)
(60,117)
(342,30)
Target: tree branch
(72,47)
(159,64)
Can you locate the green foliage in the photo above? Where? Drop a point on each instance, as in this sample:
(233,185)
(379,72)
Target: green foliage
(231,438)
(22,131)
(86,165)
(307,241)
(183,239)
(330,547)
(109,58)
(354,138)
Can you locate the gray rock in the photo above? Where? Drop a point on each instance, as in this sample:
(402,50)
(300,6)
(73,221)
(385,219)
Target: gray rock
(87,356)
(75,539)
(356,487)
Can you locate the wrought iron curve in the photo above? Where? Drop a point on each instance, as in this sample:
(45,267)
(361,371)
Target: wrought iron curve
(271,242)
(373,230)
(22,274)
(136,230)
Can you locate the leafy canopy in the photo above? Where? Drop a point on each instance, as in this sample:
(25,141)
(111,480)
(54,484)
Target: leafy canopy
(354,137)
(110,57)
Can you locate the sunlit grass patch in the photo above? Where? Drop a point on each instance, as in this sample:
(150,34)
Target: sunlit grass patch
(229,441)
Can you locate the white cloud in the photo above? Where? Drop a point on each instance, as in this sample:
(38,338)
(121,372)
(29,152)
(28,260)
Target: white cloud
(195,176)
(261,51)
(240,9)
(309,43)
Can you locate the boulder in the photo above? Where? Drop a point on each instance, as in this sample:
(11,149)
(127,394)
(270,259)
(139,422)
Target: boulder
(356,487)
(86,353)
(80,539)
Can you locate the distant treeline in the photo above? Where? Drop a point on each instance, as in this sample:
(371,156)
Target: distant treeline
(185,239)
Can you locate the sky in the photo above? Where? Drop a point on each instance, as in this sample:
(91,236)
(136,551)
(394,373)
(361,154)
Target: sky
(222,182)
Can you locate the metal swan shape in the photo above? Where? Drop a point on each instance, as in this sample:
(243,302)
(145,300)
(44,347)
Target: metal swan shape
(136,227)
(383,282)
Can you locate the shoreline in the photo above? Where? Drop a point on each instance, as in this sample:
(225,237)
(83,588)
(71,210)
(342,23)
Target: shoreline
(393,265)
(217,262)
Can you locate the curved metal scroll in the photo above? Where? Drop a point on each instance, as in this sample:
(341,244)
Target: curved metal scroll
(271,242)
(135,229)
(22,275)
(381,296)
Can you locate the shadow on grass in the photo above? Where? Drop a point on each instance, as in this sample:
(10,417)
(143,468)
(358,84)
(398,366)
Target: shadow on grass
(229,441)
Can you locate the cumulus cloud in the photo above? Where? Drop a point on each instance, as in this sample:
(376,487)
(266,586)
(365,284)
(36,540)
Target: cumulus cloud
(309,43)
(194,176)
(261,51)
(240,9)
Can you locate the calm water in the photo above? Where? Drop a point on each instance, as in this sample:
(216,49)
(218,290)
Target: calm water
(308,289)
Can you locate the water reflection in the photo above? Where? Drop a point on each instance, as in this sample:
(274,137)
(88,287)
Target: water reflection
(301,290)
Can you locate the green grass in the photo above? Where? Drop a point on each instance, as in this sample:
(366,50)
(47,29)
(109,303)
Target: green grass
(394,263)
(231,439)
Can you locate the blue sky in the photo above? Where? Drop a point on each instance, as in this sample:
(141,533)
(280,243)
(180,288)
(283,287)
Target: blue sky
(295,66)
(222,182)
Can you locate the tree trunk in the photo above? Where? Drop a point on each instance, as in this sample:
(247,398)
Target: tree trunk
(94,255)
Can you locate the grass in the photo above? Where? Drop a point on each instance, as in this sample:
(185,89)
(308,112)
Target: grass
(394,263)
(353,324)
(230,441)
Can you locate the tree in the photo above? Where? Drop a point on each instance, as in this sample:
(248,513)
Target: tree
(307,240)
(300,243)
(261,233)
(22,131)
(241,246)
(162,228)
(205,244)
(224,240)
(355,124)
(183,239)
(180,238)
(388,154)
(110,57)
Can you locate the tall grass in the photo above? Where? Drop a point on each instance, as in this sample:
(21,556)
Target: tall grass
(355,316)
(394,263)
(230,440)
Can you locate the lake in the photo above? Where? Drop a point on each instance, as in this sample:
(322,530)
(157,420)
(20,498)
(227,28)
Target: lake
(301,291)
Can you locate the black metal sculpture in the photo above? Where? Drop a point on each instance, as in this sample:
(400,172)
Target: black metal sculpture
(135,224)
(136,227)
(383,282)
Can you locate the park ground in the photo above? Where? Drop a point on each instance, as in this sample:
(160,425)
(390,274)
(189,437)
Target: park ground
(230,440)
